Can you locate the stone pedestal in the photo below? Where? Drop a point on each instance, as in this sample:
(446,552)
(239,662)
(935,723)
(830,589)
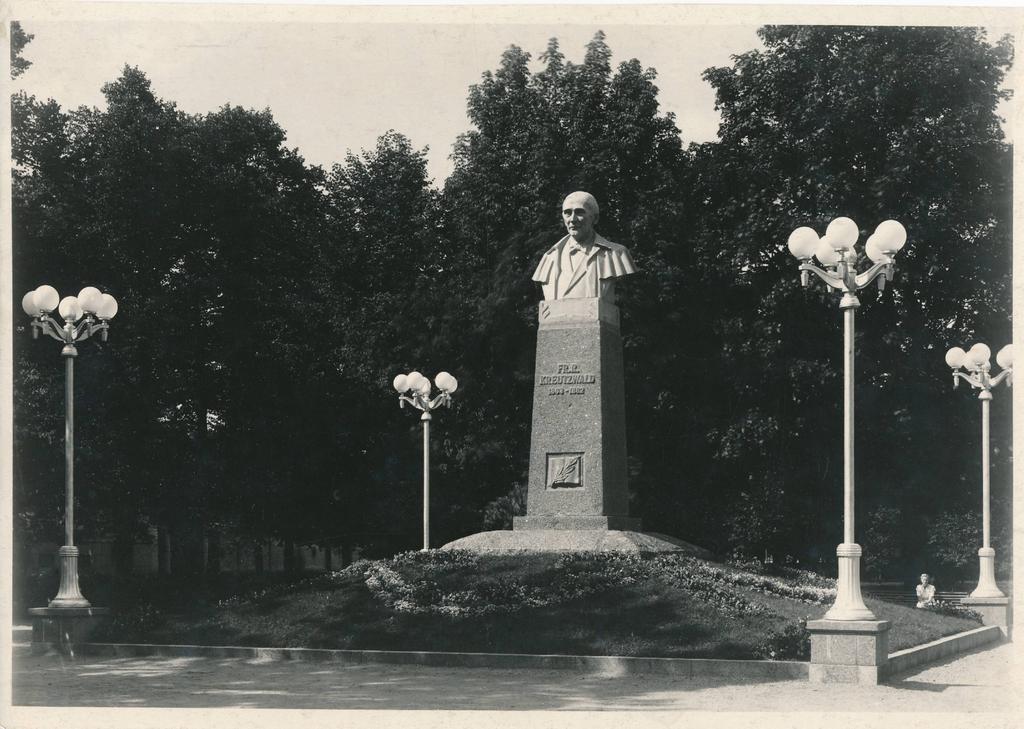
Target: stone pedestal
(848,651)
(578,476)
(63,627)
(578,496)
(994,611)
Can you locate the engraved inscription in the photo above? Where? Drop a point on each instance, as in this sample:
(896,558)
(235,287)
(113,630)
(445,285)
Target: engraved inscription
(565,470)
(567,391)
(570,374)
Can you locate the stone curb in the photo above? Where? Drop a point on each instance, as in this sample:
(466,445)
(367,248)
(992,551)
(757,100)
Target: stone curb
(951,645)
(619,665)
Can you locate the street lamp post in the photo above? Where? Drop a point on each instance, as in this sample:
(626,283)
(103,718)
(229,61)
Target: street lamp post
(835,251)
(95,310)
(415,389)
(977,363)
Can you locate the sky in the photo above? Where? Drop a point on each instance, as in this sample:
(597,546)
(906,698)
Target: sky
(338,86)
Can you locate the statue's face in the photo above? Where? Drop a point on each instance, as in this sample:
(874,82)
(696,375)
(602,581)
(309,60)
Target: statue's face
(579,217)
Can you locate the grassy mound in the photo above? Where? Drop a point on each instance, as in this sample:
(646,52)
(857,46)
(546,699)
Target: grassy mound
(581,603)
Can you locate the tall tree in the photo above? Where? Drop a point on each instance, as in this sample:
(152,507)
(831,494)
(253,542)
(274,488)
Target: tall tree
(872,123)
(384,281)
(19,39)
(201,226)
(76,221)
(537,137)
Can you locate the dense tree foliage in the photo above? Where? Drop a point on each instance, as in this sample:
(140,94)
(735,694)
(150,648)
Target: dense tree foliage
(267,303)
(872,123)
(19,39)
(538,137)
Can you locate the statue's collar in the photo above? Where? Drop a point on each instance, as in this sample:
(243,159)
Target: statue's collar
(568,240)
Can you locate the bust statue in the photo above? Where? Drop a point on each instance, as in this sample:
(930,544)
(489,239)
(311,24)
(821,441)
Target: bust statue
(582,264)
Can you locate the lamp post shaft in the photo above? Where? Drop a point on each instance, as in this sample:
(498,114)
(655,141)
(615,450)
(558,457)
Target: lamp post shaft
(426,481)
(849,604)
(848,377)
(987,586)
(69,450)
(985,483)
(69,594)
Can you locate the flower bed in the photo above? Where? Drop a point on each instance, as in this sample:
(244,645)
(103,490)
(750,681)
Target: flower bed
(574,604)
(575,576)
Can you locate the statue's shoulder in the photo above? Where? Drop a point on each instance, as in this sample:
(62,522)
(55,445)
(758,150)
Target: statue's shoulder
(615,261)
(614,247)
(555,247)
(548,261)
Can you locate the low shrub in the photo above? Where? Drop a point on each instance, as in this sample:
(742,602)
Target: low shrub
(790,588)
(388,586)
(130,624)
(707,583)
(454,559)
(576,575)
(747,564)
(792,643)
(582,574)
(806,577)
(953,609)
(290,586)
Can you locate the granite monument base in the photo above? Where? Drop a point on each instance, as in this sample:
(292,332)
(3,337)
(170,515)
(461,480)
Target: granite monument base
(575,540)
(576,521)
(578,436)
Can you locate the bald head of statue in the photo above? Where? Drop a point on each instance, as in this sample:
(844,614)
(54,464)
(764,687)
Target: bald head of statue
(580,213)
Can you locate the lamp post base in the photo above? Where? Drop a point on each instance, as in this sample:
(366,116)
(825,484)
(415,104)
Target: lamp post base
(993,610)
(848,651)
(987,575)
(849,604)
(64,628)
(69,595)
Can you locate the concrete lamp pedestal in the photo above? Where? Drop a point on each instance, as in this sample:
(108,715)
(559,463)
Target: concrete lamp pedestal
(848,651)
(987,598)
(994,611)
(63,627)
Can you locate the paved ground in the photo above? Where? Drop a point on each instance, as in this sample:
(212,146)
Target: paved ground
(977,681)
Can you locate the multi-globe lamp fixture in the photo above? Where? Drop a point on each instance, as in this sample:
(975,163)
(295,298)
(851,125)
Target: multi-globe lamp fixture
(978,365)
(97,308)
(416,389)
(84,315)
(837,256)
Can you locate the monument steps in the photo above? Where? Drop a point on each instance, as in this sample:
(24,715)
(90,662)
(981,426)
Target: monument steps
(575,540)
